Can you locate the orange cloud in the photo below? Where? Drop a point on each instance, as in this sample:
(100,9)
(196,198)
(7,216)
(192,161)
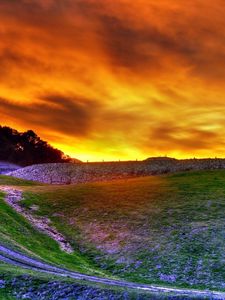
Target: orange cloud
(115,79)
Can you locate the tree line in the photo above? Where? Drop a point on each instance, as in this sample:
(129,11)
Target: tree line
(26,148)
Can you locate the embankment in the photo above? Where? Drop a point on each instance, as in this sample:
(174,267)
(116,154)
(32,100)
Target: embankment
(70,173)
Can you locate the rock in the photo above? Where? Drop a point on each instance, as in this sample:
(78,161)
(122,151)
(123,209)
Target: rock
(70,173)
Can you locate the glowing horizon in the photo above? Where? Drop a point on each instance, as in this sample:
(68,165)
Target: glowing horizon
(116,79)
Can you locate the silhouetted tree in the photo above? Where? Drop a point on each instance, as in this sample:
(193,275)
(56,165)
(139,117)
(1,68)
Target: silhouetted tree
(26,148)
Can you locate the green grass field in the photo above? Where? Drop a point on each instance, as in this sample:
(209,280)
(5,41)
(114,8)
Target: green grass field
(8,180)
(6,295)
(163,229)
(167,230)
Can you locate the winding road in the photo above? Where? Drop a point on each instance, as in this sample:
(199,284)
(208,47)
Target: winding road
(16,258)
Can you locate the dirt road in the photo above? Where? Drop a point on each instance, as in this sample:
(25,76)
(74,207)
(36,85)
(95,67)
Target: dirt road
(24,261)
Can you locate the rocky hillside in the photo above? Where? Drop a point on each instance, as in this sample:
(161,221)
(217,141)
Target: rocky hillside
(67,173)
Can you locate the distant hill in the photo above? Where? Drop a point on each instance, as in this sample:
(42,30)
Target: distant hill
(27,148)
(161,158)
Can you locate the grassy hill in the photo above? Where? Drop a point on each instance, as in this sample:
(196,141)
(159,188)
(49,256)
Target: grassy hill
(166,230)
(163,229)
(16,232)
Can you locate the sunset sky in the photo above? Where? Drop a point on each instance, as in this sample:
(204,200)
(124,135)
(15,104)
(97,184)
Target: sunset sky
(116,79)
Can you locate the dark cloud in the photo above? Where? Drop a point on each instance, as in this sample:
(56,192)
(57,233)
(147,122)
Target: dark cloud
(146,49)
(66,115)
(138,48)
(168,136)
(11,60)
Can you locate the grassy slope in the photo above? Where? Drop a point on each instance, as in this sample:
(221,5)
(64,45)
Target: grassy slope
(8,180)
(164,229)
(6,295)
(16,232)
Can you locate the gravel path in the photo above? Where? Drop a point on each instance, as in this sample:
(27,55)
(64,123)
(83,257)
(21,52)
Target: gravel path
(13,198)
(18,259)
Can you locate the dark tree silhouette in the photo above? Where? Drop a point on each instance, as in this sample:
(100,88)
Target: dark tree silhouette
(26,148)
